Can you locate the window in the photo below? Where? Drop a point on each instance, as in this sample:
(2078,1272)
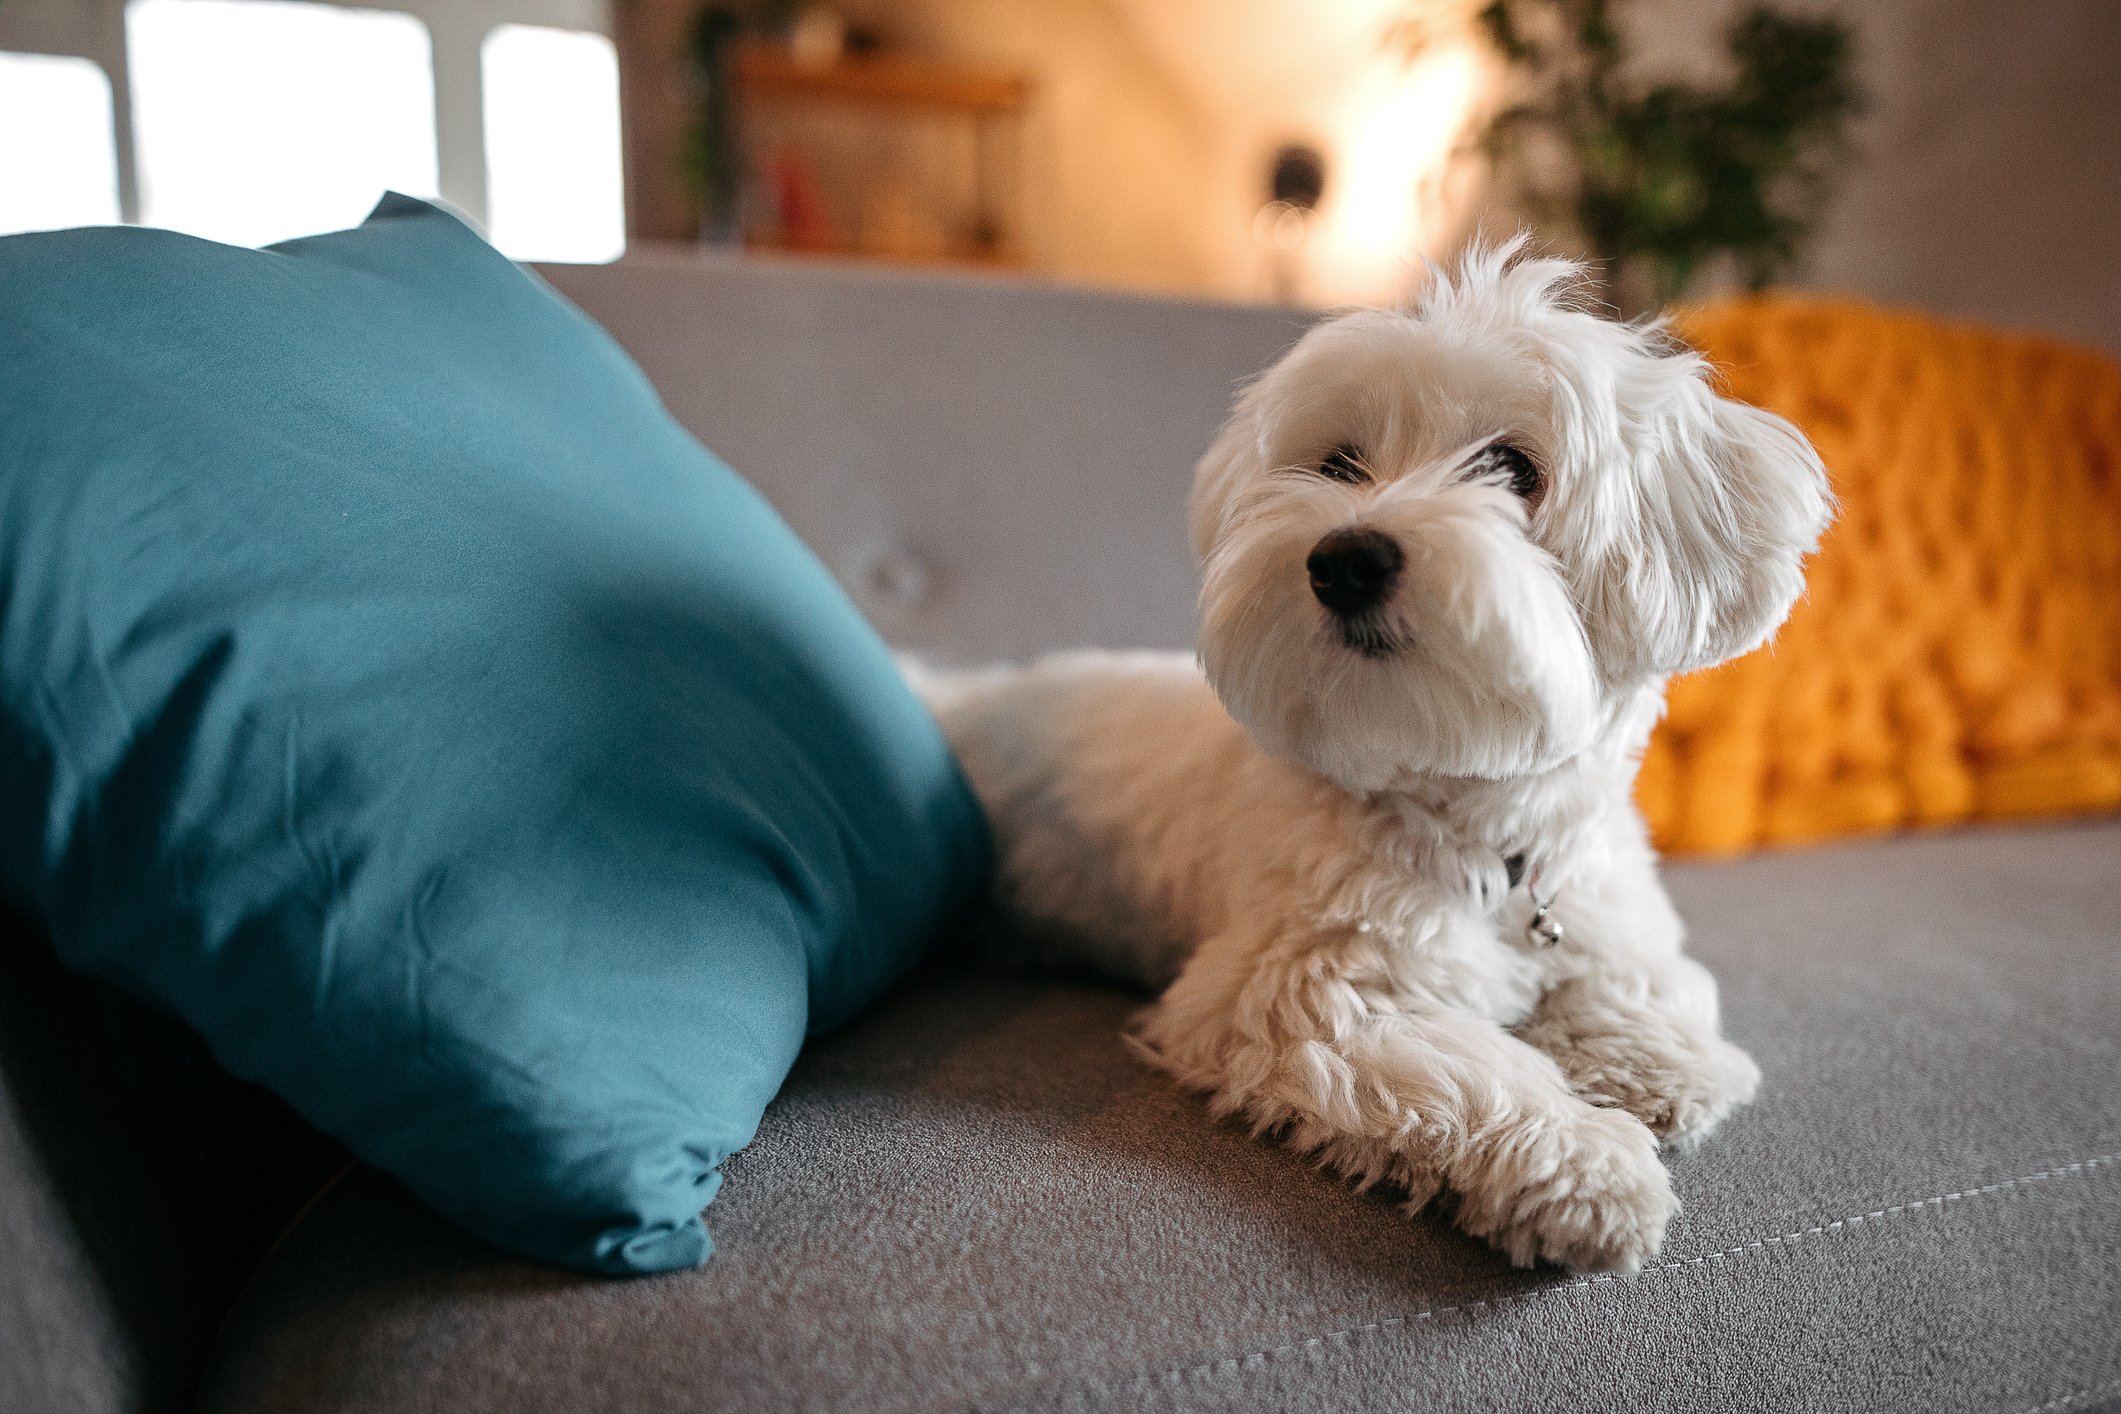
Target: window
(257,120)
(253,121)
(553,183)
(58,147)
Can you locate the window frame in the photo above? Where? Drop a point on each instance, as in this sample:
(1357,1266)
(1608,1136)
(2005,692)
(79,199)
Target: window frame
(95,30)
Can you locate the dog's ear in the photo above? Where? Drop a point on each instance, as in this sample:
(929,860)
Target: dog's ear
(1735,498)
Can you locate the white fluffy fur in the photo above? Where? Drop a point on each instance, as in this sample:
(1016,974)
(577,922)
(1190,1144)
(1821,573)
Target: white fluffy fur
(1305,845)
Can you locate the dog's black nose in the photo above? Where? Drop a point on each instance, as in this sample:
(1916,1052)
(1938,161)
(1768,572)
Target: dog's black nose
(1353,569)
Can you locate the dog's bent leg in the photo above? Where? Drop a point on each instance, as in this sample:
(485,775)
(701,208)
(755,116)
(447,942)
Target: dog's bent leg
(1296,1043)
(1631,1019)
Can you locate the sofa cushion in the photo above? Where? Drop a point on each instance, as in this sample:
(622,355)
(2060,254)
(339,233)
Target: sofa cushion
(391,690)
(978,1199)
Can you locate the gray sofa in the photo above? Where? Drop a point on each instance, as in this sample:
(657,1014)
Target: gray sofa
(975,1198)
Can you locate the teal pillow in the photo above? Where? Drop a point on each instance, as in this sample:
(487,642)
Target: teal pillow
(393,691)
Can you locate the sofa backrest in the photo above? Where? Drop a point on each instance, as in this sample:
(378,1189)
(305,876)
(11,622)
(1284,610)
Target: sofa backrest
(992,468)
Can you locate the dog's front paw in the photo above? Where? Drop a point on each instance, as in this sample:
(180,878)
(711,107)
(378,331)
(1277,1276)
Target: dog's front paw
(1681,1087)
(1717,1078)
(1590,1195)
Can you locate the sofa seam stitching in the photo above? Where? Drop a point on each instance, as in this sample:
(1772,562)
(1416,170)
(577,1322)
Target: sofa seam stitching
(1258,1358)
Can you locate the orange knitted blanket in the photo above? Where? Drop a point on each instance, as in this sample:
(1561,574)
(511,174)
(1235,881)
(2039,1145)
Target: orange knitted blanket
(1958,654)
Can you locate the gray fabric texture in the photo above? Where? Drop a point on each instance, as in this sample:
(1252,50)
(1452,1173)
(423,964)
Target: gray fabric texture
(977,1199)
(991,468)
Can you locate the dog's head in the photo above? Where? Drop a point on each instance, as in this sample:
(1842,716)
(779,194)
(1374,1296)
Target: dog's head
(1458,539)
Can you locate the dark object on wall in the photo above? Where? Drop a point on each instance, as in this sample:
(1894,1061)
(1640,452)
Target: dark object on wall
(1298,178)
(1660,180)
(1296,183)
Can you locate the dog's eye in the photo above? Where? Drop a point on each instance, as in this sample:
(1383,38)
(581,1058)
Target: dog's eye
(1344,464)
(1515,466)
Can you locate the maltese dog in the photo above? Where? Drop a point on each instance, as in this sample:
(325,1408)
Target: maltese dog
(1377,848)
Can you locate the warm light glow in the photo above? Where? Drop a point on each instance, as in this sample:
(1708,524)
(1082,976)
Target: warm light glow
(258,120)
(1392,145)
(58,146)
(554,189)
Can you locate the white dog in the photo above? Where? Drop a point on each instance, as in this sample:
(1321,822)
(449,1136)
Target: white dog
(1382,858)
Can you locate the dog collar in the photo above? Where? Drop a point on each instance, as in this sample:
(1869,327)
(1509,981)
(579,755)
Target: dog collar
(1541,928)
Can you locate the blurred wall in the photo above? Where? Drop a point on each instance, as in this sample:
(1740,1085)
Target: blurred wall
(1155,121)
(1989,181)
(1989,184)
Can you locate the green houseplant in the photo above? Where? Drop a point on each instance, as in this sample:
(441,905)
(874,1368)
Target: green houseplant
(1660,180)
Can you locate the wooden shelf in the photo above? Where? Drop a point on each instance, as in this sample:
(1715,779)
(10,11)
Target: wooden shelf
(765,72)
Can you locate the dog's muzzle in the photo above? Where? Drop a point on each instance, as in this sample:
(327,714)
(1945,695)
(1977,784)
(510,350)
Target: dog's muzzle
(1353,570)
